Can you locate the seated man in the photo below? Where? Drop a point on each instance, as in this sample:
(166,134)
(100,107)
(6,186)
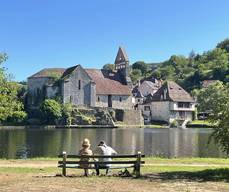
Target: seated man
(103,149)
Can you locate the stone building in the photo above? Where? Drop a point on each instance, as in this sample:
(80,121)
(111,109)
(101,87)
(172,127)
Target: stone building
(84,87)
(171,102)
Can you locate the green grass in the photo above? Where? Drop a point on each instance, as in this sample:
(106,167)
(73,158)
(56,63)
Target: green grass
(149,160)
(201,123)
(155,160)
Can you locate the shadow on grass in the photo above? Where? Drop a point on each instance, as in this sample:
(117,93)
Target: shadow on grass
(221,174)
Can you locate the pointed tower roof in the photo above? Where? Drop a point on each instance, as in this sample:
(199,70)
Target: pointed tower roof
(121,56)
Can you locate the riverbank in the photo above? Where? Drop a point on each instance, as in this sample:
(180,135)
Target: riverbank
(159,174)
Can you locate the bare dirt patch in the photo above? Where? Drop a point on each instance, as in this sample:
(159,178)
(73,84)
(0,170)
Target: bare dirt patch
(42,183)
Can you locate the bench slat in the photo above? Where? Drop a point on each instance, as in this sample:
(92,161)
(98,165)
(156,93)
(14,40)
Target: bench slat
(111,167)
(101,156)
(100,162)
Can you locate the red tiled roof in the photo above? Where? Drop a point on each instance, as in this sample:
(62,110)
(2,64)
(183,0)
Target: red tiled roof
(49,72)
(108,84)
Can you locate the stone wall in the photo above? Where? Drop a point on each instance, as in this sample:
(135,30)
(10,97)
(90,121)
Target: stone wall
(36,90)
(133,117)
(78,88)
(118,101)
(160,111)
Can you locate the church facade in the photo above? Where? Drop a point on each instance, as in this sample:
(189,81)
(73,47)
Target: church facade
(84,87)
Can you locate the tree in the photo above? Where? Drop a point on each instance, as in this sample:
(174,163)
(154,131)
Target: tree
(11,108)
(109,67)
(140,65)
(51,111)
(224,45)
(135,75)
(215,98)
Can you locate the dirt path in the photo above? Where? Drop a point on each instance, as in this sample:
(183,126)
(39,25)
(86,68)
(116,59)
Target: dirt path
(42,183)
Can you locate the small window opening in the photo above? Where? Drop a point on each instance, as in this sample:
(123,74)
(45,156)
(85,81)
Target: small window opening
(79,84)
(98,99)
(120,99)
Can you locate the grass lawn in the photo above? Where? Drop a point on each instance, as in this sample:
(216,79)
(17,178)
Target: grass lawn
(202,123)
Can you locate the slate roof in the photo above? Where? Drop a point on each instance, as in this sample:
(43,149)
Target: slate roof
(146,87)
(108,83)
(49,72)
(68,71)
(173,92)
(121,54)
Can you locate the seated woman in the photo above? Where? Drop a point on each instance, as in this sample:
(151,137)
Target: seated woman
(85,151)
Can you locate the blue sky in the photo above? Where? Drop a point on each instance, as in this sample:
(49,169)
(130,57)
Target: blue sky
(39,34)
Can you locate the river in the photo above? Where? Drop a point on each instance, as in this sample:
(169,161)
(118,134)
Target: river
(26,143)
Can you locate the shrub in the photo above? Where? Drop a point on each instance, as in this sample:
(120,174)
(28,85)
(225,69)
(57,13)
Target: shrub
(51,111)
(174,123)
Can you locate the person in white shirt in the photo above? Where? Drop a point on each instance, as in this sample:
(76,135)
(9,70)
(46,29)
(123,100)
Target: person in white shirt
(103,149)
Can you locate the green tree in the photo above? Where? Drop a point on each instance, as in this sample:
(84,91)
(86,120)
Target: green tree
(11,107)
(224,45)
(215,98)
(135,75)
(140,65)
(51,111)
(109,67)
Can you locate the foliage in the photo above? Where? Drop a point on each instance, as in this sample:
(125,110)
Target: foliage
(11,106)
(51,110)
(215,98)
(140,65)
(192,70)
(224,45)
(109,67)
(174,123)
(67,110)
(135,75)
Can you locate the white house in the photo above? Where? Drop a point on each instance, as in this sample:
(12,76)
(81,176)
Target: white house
(171,102)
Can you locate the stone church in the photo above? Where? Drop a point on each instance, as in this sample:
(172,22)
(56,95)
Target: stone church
(84,87)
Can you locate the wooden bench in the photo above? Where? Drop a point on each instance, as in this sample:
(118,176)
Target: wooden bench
(127,161)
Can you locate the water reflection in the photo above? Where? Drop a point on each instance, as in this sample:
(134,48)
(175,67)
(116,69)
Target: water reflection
(23,143)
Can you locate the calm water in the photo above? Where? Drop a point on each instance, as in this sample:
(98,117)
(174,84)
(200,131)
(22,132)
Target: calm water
(24,143)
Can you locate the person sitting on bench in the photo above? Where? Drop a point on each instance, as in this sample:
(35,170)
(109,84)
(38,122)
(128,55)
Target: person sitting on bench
(85,151)
(103,149)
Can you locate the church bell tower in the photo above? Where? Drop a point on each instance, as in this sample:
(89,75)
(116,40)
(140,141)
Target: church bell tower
(122,66)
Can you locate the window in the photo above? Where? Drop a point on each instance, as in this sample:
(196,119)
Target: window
(98,99)
(79,84)
(146,108)
(120,99)
(70,99)
(184,105)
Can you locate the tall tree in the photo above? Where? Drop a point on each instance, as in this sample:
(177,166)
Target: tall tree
(11,108)
(215,98)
